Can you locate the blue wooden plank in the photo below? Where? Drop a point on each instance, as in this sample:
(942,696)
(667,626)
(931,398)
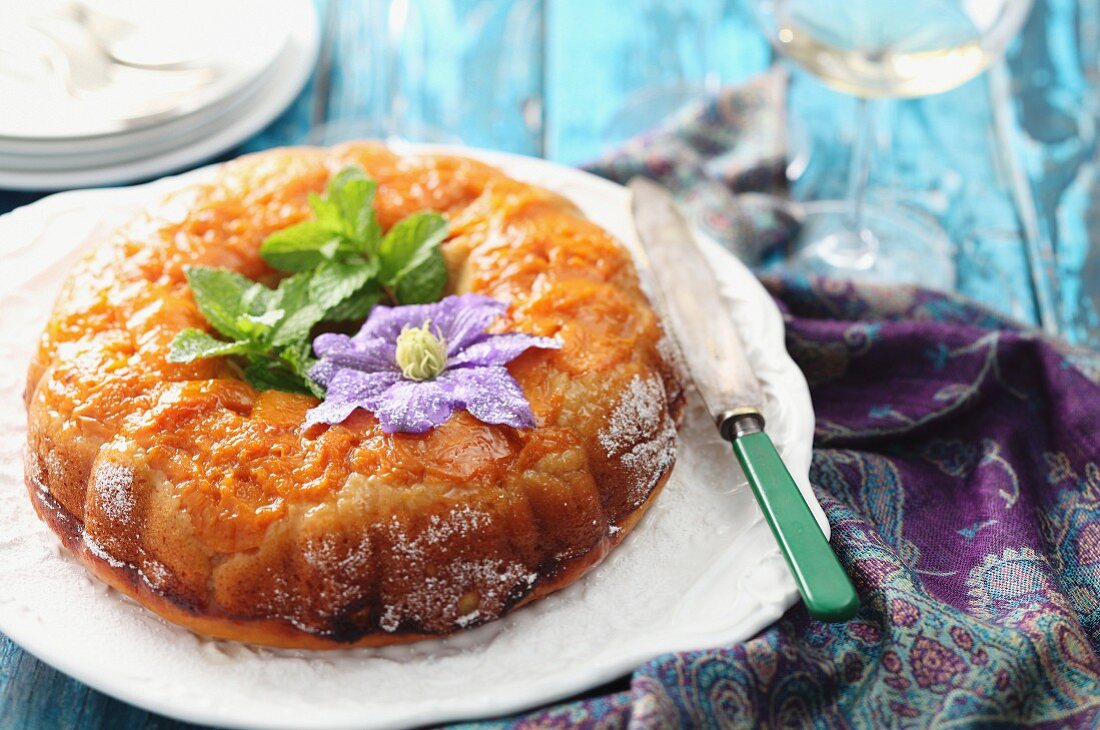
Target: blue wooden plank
(617,68)
(459,71)
(1055,71)
(475,72)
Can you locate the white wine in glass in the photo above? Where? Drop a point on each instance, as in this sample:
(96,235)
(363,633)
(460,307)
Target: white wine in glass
(874,49)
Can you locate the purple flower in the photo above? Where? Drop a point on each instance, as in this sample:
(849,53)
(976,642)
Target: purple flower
(413,366)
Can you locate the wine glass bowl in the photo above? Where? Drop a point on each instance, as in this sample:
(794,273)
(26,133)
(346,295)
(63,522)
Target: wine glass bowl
(872,48)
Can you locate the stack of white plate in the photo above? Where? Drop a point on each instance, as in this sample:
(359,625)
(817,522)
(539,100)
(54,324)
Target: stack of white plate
(100,92)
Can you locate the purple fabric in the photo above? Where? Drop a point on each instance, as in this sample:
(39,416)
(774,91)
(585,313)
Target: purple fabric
(957,456)
(958,460)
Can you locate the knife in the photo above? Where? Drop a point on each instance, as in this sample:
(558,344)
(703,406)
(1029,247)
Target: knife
(715,356)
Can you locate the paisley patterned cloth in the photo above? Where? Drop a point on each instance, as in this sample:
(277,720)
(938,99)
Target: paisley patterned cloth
(957,456)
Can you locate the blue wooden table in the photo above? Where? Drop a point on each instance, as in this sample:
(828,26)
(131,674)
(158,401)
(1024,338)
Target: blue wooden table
(1006,163)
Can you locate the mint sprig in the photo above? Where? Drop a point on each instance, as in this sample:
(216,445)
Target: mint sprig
(266,327)
(344,245)
(411,265)
(340,266)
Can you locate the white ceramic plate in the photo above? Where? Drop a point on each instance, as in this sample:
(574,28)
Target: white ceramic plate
(150,141)
(702,568)
(181,145)
(236,41)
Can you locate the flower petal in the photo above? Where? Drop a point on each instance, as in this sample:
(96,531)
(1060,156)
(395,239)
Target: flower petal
(490,394)
(462,319)
(323,372)
(371,355)
(347,390)
(329,342)
(386,323)
(466,319)
(500,349)
(414,406)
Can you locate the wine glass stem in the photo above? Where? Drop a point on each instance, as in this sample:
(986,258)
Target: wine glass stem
(856,247)
(860,165)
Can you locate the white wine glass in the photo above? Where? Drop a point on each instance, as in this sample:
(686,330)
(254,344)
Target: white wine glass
(874,49)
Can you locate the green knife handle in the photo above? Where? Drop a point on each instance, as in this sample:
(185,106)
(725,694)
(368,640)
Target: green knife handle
(825,588)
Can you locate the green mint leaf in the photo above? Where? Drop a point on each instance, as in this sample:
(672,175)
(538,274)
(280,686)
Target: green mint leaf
(300,360)
(299,247)
(358,305)
(292,293)
(356,202)
(315,390)
(297,325)
(273,375)
(411,241)
(332,249)
(192,344)
(268,319)
(353,196)
(334,282)
(219,294)
(299,312)
(424,282)
(256,326)
(410,260)
(345,224)
(326,213)
(298,357)
(256,299)
(372,239)
(347,175)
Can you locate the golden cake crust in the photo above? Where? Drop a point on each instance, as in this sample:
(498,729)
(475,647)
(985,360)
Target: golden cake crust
(207,501)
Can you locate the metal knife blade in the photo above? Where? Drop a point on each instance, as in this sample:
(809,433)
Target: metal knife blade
(710,343)
(715,355)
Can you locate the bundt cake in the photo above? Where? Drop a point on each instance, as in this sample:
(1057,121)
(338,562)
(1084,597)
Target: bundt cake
(211,500)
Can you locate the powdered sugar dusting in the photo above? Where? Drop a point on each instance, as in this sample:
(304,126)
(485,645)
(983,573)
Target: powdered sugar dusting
(641,434)
(459,522)
(53,466)
(635,416)
(114,486)
(440,593)
(323,552)
(648,460)
(390,620)
(154,573)
(468,619)
(320,552)
(97,550)
(671,354)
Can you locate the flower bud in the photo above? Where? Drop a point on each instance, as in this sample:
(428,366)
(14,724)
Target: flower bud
(421,355)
